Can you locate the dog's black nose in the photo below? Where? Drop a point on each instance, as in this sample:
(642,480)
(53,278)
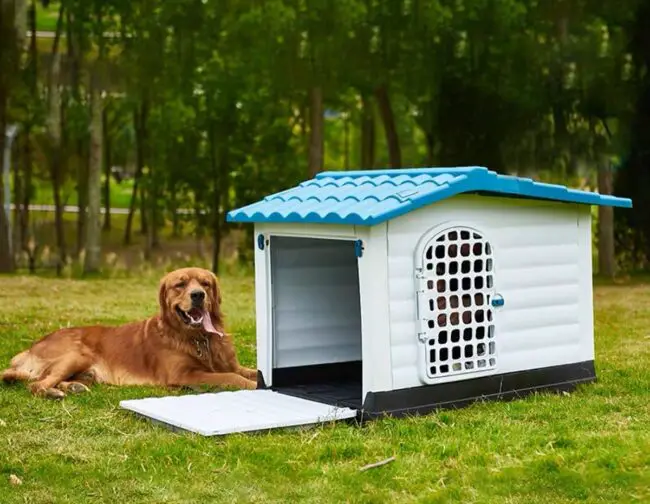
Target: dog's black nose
(197,297)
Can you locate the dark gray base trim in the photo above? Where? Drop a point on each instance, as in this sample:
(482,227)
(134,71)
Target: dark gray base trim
(261,383)
(422,400)
(318,374)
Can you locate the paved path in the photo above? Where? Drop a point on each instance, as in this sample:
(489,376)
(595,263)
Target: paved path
(75,209)
(51,34)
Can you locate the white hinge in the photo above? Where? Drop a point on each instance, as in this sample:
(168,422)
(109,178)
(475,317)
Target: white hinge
(421,308)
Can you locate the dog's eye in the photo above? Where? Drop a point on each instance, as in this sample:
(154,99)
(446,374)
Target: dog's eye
(205,284)
(180,285)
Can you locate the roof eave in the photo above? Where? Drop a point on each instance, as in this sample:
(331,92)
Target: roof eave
(483,181)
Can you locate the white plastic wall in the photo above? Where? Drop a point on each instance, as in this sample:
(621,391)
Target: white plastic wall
(542,255)
(375,316)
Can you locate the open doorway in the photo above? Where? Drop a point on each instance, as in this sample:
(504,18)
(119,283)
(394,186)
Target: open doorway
(316,319)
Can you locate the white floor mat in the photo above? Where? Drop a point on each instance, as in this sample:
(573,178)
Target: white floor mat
(216,414)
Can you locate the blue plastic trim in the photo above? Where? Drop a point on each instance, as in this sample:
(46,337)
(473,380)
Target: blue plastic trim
(374,196)
(358,248)
(260,241)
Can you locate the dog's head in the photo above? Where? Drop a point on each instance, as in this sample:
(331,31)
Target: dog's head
(190,300)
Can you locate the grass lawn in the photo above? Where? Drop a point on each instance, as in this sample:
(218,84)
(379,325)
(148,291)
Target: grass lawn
(46,17)
(120,193)
(590,446)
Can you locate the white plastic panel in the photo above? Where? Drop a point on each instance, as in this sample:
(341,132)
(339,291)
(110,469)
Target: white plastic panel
(216,414)
(585,275)
(263,306)
(542,250)
(375,316)
(316,313)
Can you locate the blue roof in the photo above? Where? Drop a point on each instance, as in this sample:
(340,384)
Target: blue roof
(372,196)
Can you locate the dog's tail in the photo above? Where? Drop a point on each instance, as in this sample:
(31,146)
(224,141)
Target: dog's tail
(17,371)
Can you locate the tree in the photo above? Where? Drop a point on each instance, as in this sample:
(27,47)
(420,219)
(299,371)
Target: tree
(92,262)
(12,30)
(633,180)
(34,115)
(55,125)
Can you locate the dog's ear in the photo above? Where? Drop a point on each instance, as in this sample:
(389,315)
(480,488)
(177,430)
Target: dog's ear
(217,288)
(215,305)
(162,296)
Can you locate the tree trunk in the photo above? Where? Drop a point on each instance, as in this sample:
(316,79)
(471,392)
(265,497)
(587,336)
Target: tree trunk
(23,208)
(560,105)
(83,168)
(144,216)
(139,120)
(149,203)
(20,16)
(141,141)
(107,171)
(9,61)
(316,131)
(74,58)
(216,233)
(19,189)
(367,134)
(218,165)
(92,261)
(606,253)
(431,144)
(346,142)
(6,262)
(23,205)
(155,215)
(216,212)
(140,145)
(173,204)
(200,230)
(390,128)
(58,211)
(132,205)
(55,121)
(33,50)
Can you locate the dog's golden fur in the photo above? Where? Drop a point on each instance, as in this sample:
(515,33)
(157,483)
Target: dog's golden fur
(169,349)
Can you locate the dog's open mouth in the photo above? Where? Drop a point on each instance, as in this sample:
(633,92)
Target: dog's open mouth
(197,318)
(193,317)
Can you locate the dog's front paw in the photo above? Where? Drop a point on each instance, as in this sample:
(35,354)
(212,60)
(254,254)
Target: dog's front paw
(76,388)
(250,385)
(46,392)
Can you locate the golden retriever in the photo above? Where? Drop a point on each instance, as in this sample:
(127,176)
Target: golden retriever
(184,345)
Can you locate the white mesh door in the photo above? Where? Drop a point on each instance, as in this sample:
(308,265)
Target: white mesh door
(456,285)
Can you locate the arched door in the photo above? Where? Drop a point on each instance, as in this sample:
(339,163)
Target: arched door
(455,271)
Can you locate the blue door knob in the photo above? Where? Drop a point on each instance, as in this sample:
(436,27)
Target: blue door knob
(497,300)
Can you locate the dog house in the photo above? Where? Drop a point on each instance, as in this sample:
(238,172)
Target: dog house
(403,291)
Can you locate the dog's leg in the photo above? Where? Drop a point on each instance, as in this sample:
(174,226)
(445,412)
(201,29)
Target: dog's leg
(12,375)
(86,378)
(248,373)
(47,393)
(218,379)
(72,387)
(64,368)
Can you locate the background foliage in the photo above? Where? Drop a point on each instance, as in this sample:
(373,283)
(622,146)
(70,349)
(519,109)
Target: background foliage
(183,110)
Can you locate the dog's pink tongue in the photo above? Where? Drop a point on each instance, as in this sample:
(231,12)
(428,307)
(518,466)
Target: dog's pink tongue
(207,324)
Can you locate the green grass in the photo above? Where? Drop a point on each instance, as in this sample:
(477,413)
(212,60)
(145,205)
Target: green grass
(120,194)
(46,17)
(590,446)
